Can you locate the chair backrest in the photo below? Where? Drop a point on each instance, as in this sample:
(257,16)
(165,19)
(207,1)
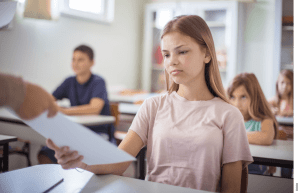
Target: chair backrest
(114,110)
(244,182)
(281,135)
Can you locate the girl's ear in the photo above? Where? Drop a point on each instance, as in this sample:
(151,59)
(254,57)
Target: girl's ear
(207,57)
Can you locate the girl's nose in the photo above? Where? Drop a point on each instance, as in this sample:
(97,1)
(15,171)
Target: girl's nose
(173,60)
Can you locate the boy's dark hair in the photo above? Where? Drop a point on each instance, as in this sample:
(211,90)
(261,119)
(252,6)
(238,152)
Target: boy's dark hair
(85,49)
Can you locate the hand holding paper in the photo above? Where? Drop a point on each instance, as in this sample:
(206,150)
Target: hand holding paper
(90,145)
(65,157)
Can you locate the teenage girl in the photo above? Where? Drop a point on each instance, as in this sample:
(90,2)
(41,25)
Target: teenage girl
(246,94)
(282,103)
(194,137)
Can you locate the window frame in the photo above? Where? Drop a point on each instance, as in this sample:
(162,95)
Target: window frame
(106,17)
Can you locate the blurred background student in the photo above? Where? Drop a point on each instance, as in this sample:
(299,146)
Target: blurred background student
(282,102)
(282,105)
(246,94)
(87,94)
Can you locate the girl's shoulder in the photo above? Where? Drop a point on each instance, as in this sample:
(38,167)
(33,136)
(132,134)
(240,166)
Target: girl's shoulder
(156,99)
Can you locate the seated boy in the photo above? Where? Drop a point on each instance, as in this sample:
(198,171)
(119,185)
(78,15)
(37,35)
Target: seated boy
(87,94)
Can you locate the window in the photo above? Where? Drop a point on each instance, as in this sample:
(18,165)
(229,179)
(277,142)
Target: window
(96,10)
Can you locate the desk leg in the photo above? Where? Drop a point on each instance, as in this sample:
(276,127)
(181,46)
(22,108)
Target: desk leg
(142,163)
(5,157)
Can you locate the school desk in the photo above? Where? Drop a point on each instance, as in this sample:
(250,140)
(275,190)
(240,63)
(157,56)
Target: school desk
(86,120)
(266,184)
(130,98)
(41,177)
(128,109)
(4,140)
(288,121)
(279,154)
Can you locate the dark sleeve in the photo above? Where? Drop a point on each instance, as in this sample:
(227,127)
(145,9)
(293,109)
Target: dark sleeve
(99,90)
(62,91)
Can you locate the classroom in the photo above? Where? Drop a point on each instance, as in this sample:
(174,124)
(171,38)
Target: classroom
(117,67)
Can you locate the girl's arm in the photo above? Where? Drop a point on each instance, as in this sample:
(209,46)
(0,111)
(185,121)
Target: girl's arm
(231,177)
(132,144)
(273,106)
(265,136)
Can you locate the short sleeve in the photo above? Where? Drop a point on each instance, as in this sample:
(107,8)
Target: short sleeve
(141,121)
(62,91)
(235,143)
(99,90)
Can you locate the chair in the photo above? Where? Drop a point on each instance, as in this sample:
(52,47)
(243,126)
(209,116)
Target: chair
(114,110)
(24,150)
(244,182)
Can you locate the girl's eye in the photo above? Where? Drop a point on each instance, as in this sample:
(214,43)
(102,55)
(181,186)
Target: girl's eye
(166,55)
(232,97)
(183,52)
(243,97)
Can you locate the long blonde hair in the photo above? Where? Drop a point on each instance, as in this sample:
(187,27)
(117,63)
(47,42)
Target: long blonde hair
(196,28)
(259,107)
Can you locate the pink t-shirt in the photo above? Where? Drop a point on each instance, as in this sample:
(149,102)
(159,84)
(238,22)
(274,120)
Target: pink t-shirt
(189,141)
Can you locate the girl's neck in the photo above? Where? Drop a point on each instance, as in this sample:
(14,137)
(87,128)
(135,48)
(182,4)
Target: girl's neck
(83,78)
(195,92)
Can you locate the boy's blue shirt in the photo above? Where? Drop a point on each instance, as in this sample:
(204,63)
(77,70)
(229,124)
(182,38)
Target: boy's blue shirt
(81,94)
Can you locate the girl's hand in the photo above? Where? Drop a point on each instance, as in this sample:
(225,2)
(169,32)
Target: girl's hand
(66,158)
(275,110)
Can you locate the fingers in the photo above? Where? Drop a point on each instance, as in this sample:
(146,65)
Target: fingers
(66,157)
(72,163)
(52,145)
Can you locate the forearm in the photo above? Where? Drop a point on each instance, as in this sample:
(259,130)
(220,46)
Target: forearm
(259,138)
(12,92)
(81,110)
(116,169)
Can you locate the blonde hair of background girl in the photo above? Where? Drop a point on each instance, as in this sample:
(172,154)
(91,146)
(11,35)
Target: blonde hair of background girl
(259,108)
(196,28)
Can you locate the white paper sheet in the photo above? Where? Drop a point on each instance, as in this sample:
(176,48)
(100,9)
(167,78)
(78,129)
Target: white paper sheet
(64,132)
(7,12)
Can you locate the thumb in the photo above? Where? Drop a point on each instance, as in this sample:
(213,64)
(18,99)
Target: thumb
(51,144)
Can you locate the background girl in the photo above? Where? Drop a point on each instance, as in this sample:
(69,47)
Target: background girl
(192,134)
(282,103)
(246,94)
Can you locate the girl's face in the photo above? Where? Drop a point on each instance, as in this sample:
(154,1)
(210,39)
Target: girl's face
(284,85)
(240,99)
(81,63)
(183,58)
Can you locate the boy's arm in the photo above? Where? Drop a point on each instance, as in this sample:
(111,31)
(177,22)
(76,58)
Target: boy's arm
(94,107)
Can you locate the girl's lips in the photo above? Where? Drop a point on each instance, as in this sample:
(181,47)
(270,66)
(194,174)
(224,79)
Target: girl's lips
(175,72)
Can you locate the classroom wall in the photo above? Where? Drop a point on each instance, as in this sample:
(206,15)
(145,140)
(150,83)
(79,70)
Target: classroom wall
(41,50)
(260,32)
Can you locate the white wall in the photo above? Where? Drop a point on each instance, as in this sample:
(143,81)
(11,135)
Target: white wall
(41,51)
(258,43)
